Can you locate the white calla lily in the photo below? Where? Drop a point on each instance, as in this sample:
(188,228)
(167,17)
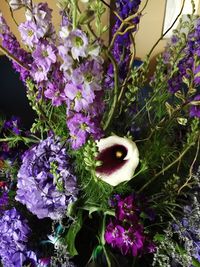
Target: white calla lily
(119,157)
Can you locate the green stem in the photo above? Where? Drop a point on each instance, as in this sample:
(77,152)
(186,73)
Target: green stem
(167,167)
(103,241)
(163,35)
(18,138)
(116,86)
(74,4)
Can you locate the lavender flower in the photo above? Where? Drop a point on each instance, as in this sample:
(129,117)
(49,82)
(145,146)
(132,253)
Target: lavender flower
(44,55)
(41,15)
(30,33)
(46,184)
(81,98)
(80,127)
(14,233)
(77,43)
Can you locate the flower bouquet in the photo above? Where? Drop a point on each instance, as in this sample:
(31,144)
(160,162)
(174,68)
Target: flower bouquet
(108,174)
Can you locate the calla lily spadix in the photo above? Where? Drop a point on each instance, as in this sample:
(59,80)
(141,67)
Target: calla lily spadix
(119,157)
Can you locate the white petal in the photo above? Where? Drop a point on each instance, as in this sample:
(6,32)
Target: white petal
(125,173)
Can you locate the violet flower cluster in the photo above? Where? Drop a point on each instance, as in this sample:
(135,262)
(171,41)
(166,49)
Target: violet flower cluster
(68,74)
(126,231)
(46,184)
(14,232)
(122,44)
(187,65)
(74,82)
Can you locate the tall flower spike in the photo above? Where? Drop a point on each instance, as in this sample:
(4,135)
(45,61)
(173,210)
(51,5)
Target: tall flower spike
(119,157)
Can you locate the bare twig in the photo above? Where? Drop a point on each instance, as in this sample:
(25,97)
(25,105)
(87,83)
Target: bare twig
(9,55)
(191,167)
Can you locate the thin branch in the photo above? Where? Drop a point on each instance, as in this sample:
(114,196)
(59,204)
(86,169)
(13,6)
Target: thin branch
(167,167)
(191,167)
(12,14)
(161,37)
(116,87)
(129,69)
(9,55)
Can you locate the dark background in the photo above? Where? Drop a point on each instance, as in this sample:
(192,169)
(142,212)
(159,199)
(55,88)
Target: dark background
(13,99)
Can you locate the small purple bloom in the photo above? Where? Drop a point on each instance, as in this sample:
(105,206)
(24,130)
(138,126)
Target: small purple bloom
(80,127)
(14,233)
(127,209)
(39,73)
(78,43)
(195,109)
(30,33)
(44,56)
(82,98)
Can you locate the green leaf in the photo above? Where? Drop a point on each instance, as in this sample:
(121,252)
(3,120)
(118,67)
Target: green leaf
(159,237)
(72,233)
(195,263)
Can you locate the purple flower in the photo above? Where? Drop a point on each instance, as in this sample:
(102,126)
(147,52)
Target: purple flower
(129,241)
(39,73)
(12,125)
(46,184)
(44,55)
(121,48)
(127,209)
(78,43)
(10,42)
(55,93)
(80,128)
(126,232)
(44,262)
(3,200)
(195,109)
(14,233)
(114,234)
(30,33)
(132,242)
(81,98)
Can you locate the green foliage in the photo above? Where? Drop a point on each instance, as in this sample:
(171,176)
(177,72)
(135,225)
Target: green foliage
(98,7)
(71,234)
(95,192)
(48,116)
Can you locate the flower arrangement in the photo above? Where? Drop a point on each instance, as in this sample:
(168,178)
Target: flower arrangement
(108,174)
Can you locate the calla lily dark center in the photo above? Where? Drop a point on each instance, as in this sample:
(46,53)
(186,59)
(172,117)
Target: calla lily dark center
(112,159)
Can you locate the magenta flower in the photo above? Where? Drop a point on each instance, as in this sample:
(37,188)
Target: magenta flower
(30,33)
(126,231)
(127,209)
(114,234)
(132,242)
